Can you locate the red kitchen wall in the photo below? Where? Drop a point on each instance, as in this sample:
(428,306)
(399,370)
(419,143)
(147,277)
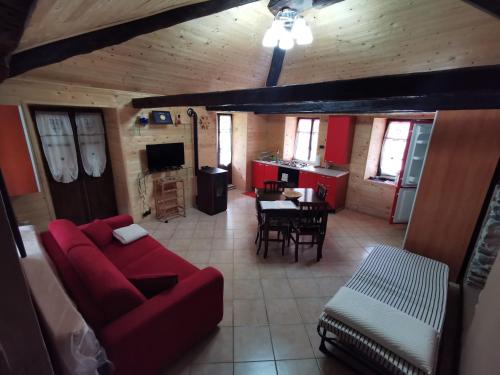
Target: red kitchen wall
(15,160)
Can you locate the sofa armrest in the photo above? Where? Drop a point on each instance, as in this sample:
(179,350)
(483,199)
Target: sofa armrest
(119,221)
(163,327)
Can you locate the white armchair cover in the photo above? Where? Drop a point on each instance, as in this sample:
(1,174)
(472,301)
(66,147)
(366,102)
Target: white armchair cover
(75,343)
(92,143)
(58,145)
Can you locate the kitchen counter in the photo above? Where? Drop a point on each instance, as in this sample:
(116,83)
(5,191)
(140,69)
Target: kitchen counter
(318,170)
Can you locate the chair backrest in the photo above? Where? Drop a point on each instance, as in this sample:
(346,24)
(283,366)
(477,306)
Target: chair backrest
(314,214)
(321,191)
(274,186)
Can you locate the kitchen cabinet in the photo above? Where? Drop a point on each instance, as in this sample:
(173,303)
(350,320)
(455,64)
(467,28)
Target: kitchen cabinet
(262,172)
(339,139)
(270,172)
(258,174)
(308,179)
(336,190)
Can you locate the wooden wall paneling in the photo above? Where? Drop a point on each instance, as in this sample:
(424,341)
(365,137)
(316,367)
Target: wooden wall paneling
(123,139)
(239,165)
(256,142)
(113,137)
(461,160)
(373,198)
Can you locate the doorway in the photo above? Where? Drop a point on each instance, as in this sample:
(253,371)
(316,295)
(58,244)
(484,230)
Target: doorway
(225,143)
(76,160)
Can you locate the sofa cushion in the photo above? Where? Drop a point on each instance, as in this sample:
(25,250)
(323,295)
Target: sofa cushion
(77,291)
(150,284)
(107,286)
(158,261)
(67,235)
(99,232)
(123,255)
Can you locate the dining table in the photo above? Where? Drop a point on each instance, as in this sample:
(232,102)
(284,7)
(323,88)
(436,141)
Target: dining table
(289,208)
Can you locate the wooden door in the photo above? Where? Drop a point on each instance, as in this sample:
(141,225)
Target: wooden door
(86,198)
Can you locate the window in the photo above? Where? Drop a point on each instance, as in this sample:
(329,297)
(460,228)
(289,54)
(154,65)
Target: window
(306,139)
(393,148)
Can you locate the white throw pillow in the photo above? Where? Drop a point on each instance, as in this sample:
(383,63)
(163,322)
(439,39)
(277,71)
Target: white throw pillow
(129,233)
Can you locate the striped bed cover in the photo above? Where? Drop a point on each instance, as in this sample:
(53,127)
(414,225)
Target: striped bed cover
(406,281)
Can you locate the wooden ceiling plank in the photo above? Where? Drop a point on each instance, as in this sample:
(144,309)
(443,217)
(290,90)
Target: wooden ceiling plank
(88,42)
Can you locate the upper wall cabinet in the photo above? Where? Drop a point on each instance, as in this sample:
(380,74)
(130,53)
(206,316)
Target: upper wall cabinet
(339,139)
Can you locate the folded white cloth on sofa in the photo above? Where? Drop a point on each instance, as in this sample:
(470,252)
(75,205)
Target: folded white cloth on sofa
(129,233)
(407,337)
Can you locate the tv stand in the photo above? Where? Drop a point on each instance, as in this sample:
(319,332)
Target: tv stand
(170,200)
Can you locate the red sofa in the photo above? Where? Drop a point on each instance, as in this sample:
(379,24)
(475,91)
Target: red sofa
(140,335)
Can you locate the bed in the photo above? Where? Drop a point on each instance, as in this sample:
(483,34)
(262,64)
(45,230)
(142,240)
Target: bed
(410,287)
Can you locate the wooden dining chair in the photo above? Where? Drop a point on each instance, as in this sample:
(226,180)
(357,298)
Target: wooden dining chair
(321,191)
(274,222)
(271,186)
(311,221)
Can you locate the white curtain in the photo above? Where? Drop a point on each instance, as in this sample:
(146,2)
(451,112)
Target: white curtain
(58,145)
(92,143)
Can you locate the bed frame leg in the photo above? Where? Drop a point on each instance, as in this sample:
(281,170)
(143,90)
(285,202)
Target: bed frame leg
(322,346)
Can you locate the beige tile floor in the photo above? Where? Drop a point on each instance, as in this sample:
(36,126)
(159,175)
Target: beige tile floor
(271,306)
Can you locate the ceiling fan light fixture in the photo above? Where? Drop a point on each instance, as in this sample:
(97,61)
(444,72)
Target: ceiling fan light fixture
(287,29)
(286,40)
(301,32)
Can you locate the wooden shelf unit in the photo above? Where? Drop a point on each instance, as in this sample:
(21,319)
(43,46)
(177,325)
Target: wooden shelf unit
(169,196)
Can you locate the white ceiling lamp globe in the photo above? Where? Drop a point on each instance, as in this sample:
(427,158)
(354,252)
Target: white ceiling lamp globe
(270,38)
(301,32)
(273,34)
(286,40)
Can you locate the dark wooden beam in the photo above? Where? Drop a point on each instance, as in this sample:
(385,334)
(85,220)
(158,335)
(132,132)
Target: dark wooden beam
(430,103)
(490,6)
(85,43)
(412,86)
(13,16)
(275,67)
(300,5)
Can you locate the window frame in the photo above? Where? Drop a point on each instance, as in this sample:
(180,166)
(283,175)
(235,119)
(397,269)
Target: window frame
(312,119)
(384,138)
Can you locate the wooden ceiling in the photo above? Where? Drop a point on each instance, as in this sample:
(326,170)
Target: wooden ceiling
(354,38)
(57,19)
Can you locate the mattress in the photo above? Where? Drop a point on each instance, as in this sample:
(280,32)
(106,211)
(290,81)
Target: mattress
(410,283)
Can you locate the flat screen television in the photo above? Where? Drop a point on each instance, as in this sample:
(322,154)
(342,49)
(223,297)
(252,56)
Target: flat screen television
(165,155)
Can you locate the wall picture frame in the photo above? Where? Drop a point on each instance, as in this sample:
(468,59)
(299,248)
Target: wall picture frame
(161,117)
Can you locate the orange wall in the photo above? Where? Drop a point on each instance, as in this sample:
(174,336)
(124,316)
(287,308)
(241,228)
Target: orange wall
(15,159)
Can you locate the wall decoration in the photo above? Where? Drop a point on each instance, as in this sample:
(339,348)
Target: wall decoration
(143,120)
(204,122)
(161,117)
